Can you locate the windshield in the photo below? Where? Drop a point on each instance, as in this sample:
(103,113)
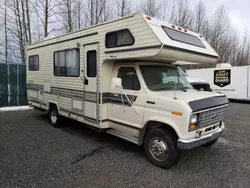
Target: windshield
(160,78)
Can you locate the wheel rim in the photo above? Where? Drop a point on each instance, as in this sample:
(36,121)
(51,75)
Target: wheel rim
(53,116)
(158,149)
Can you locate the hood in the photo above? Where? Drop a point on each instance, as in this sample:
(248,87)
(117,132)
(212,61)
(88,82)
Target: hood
(191,79)
(190,95)
(197,100)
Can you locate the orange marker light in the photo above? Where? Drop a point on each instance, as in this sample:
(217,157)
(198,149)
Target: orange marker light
(173,26)
(192,126)
(185,30)
(148,17)
(177,113)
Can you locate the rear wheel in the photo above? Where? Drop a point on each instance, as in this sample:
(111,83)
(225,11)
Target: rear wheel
(54,117)
(161,148)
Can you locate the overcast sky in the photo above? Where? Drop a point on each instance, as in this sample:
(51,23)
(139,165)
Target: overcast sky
(238,10)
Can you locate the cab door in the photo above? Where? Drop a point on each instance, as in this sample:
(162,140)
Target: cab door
(119,108)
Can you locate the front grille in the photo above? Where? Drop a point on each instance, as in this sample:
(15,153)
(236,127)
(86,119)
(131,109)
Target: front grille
(211,117)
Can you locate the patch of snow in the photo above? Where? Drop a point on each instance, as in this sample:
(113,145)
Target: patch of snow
(15,108)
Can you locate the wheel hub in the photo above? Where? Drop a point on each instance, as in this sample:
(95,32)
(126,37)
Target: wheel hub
(158,149)
(53,116)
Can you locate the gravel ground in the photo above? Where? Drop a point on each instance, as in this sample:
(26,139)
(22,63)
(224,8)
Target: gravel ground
(34,154)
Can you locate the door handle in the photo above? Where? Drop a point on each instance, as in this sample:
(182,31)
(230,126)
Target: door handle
(150,102)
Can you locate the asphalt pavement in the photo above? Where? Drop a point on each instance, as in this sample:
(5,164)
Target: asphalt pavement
(34,154)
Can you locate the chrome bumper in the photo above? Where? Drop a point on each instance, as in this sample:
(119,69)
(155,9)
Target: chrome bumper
(196,142)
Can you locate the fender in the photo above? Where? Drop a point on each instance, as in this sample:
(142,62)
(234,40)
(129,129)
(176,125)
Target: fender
(53,102)
(160,120)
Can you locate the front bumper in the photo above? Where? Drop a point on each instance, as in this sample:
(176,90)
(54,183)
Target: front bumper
(196,142)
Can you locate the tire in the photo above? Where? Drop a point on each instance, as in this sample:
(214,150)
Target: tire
(159,139)
(210,143)
(54,117)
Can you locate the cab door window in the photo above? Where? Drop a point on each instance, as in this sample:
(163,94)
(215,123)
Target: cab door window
(129,78)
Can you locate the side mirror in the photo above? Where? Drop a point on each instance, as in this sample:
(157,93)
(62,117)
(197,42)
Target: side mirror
(116,83)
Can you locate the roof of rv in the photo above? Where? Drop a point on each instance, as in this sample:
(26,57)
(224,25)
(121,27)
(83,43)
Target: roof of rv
(149,19)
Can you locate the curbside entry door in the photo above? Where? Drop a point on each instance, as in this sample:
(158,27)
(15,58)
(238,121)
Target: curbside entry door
(90,80)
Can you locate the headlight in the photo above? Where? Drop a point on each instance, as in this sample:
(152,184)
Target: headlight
(193,119)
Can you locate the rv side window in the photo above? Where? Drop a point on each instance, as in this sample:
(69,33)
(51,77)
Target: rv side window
(67,63)
(119,38)
(183,37)
(91,63)
(34,63)
(129,78)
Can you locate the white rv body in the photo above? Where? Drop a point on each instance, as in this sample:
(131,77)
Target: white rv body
(239,80)
(94,95)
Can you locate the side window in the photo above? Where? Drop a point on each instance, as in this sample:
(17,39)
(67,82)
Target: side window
(34,63)
(119,38)
(129,78)
(91,63)
(67,63)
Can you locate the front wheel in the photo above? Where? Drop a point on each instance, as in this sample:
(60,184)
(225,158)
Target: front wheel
(161,148)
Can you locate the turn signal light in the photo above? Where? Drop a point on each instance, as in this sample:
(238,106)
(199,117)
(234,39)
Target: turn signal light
(177,113)
(192,126)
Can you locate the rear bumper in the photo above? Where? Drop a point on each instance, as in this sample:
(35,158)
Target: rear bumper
(196,142)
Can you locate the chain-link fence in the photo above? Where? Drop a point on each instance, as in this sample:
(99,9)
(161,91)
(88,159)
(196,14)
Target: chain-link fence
(13,85)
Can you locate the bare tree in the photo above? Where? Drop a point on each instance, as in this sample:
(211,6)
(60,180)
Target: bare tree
(123,7)
(78,9)
(200,17)
(24,21)
(220,26)
(94,10)
(232,47)
(164,11)
(151,7)
(5,31)
(48,13)
(107,13)
(10,48)
(181,14)
(28,21)
(66,14)
(46,17)
(243,54)
(20,32)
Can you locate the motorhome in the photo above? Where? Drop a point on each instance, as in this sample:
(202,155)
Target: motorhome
(234,82)
(110,77)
